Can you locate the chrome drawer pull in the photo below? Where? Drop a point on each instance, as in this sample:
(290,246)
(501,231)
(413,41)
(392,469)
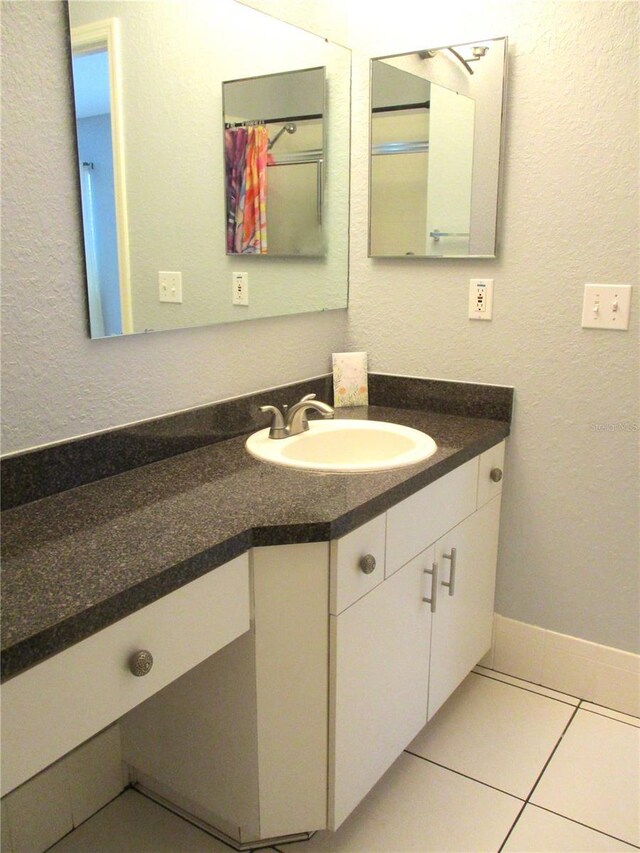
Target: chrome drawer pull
(451,583)
(433,571)
(496,474)
(367,563)
(141,662)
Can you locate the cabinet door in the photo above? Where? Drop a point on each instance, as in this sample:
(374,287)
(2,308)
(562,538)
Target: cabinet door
(461,632)
(379,682)
(422,518)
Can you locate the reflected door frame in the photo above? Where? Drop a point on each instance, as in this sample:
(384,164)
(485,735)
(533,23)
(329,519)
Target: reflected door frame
(88,38)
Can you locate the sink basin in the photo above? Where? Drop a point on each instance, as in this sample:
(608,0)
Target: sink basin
(344,446)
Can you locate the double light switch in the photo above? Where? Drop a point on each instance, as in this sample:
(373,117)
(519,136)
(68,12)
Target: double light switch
(606,306)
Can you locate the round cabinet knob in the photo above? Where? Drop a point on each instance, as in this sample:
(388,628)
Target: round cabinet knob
(496,474)
(368,563)
(141,662)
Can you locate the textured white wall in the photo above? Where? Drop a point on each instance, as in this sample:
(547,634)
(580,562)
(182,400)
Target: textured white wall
(568,558)
(56,382)
(569,545)
(569,541)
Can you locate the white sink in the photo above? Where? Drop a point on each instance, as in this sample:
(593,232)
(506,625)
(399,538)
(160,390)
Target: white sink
(344,446)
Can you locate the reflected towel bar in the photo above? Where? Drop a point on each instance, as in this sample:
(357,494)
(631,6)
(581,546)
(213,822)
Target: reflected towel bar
(438,234)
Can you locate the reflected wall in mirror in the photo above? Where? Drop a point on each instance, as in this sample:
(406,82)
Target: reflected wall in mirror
(151,160)
(437,119)
(274,163)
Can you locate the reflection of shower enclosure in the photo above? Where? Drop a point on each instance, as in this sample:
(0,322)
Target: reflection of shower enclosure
(288,174)
(422,138)
(399,175)
(294,204)
(287,168)
(451,172)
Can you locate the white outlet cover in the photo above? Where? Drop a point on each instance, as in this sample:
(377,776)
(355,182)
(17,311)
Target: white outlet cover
(480,298)
(606,306)
(240,293)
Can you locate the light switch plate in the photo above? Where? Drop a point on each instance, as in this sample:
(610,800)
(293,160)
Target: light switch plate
(606,306)
(170,286)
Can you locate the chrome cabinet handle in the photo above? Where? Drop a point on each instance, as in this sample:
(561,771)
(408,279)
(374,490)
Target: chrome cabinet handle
(140,663)
(433,571)
(451,583)
(367,563)
(496,474)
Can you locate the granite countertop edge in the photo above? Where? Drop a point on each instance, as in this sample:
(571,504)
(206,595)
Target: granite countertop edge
(27,652)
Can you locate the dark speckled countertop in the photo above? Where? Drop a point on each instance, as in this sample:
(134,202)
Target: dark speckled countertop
(79,560)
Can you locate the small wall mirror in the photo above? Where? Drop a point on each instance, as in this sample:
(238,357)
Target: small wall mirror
(148,88)
(437,119)
(274,163)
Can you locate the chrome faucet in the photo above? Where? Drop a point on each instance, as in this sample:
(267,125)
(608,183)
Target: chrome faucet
(294,420)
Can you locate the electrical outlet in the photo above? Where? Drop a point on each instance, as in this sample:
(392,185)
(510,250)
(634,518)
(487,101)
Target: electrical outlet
(170,286)
(240,288)
(480,298)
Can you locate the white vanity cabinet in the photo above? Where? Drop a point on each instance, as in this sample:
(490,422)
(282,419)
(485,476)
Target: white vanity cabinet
(399,651)
(287,729)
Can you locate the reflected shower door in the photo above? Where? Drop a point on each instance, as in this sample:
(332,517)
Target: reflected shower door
(294,208)
(451,135)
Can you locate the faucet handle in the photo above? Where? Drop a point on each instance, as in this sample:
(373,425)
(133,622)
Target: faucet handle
(278,428)
(307,397)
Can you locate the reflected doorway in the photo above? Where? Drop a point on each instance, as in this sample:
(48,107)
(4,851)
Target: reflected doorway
(102,186)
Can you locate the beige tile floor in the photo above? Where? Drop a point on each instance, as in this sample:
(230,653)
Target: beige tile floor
(505,765)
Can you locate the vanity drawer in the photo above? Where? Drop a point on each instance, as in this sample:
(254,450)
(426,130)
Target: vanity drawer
(419,520)
(352,575)
(51,708)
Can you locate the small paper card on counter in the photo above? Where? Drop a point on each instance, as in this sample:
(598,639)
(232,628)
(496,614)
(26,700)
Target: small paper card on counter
(350,379)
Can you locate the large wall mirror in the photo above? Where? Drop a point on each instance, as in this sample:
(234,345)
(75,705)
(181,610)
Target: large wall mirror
(437,123)
(148,86)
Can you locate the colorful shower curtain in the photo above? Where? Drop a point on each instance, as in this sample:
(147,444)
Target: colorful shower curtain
(246,158)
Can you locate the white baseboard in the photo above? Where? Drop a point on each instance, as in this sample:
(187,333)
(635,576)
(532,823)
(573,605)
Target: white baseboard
(589,671)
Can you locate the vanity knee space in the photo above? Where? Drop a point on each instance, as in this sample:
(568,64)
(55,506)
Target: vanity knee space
(53,707)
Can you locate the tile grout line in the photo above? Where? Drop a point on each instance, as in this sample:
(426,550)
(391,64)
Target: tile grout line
(512,827)
(465,776)
(586,825)
(540,775)
(493,673)
(553,751)
(530,689)
(615,719)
